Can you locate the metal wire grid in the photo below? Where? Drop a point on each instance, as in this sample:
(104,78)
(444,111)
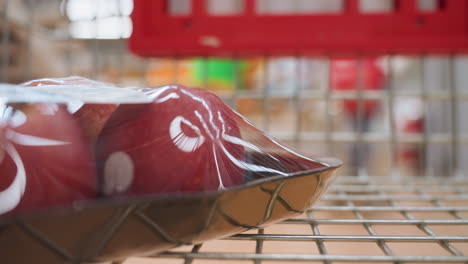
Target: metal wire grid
(389,219)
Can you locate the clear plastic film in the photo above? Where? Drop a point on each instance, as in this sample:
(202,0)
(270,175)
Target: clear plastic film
(72,139)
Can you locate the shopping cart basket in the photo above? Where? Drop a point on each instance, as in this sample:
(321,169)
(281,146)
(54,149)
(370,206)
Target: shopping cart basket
(405,198)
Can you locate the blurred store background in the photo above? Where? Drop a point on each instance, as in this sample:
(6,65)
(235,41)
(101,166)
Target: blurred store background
(326,105)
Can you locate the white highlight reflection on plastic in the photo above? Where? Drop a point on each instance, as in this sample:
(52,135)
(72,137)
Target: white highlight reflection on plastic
(248,166)
(208,109)
(222,134)
(154,95)
(11,196)
(28,140)
(118,173)
(18,119)
(205,126)
(180,139)
(167,97)
(220,179)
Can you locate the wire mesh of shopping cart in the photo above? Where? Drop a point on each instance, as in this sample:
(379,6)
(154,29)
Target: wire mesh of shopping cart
(376,220)
(417,212)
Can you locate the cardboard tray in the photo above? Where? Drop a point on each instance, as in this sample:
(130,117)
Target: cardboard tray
(112,230)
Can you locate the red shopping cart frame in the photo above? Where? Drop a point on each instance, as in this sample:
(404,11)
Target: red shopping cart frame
(405,30)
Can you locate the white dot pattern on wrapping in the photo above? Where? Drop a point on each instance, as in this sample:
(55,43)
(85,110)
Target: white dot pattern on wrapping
(118,173)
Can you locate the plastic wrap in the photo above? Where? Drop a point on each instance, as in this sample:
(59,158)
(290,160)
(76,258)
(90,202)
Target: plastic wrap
(73,145)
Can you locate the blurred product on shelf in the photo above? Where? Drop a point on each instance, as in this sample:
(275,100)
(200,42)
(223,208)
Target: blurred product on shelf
(409,121)
(219,75)
(358,76)
(164,71)
(446,116)
(411,155)
(30,51)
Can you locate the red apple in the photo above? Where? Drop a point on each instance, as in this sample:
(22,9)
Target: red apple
(346,75)
(91,117)
(44,158)
(185,140)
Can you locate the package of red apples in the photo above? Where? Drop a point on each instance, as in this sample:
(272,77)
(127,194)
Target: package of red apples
(69,145)
(69,142)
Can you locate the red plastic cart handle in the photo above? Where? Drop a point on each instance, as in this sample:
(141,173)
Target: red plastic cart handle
(404,30)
